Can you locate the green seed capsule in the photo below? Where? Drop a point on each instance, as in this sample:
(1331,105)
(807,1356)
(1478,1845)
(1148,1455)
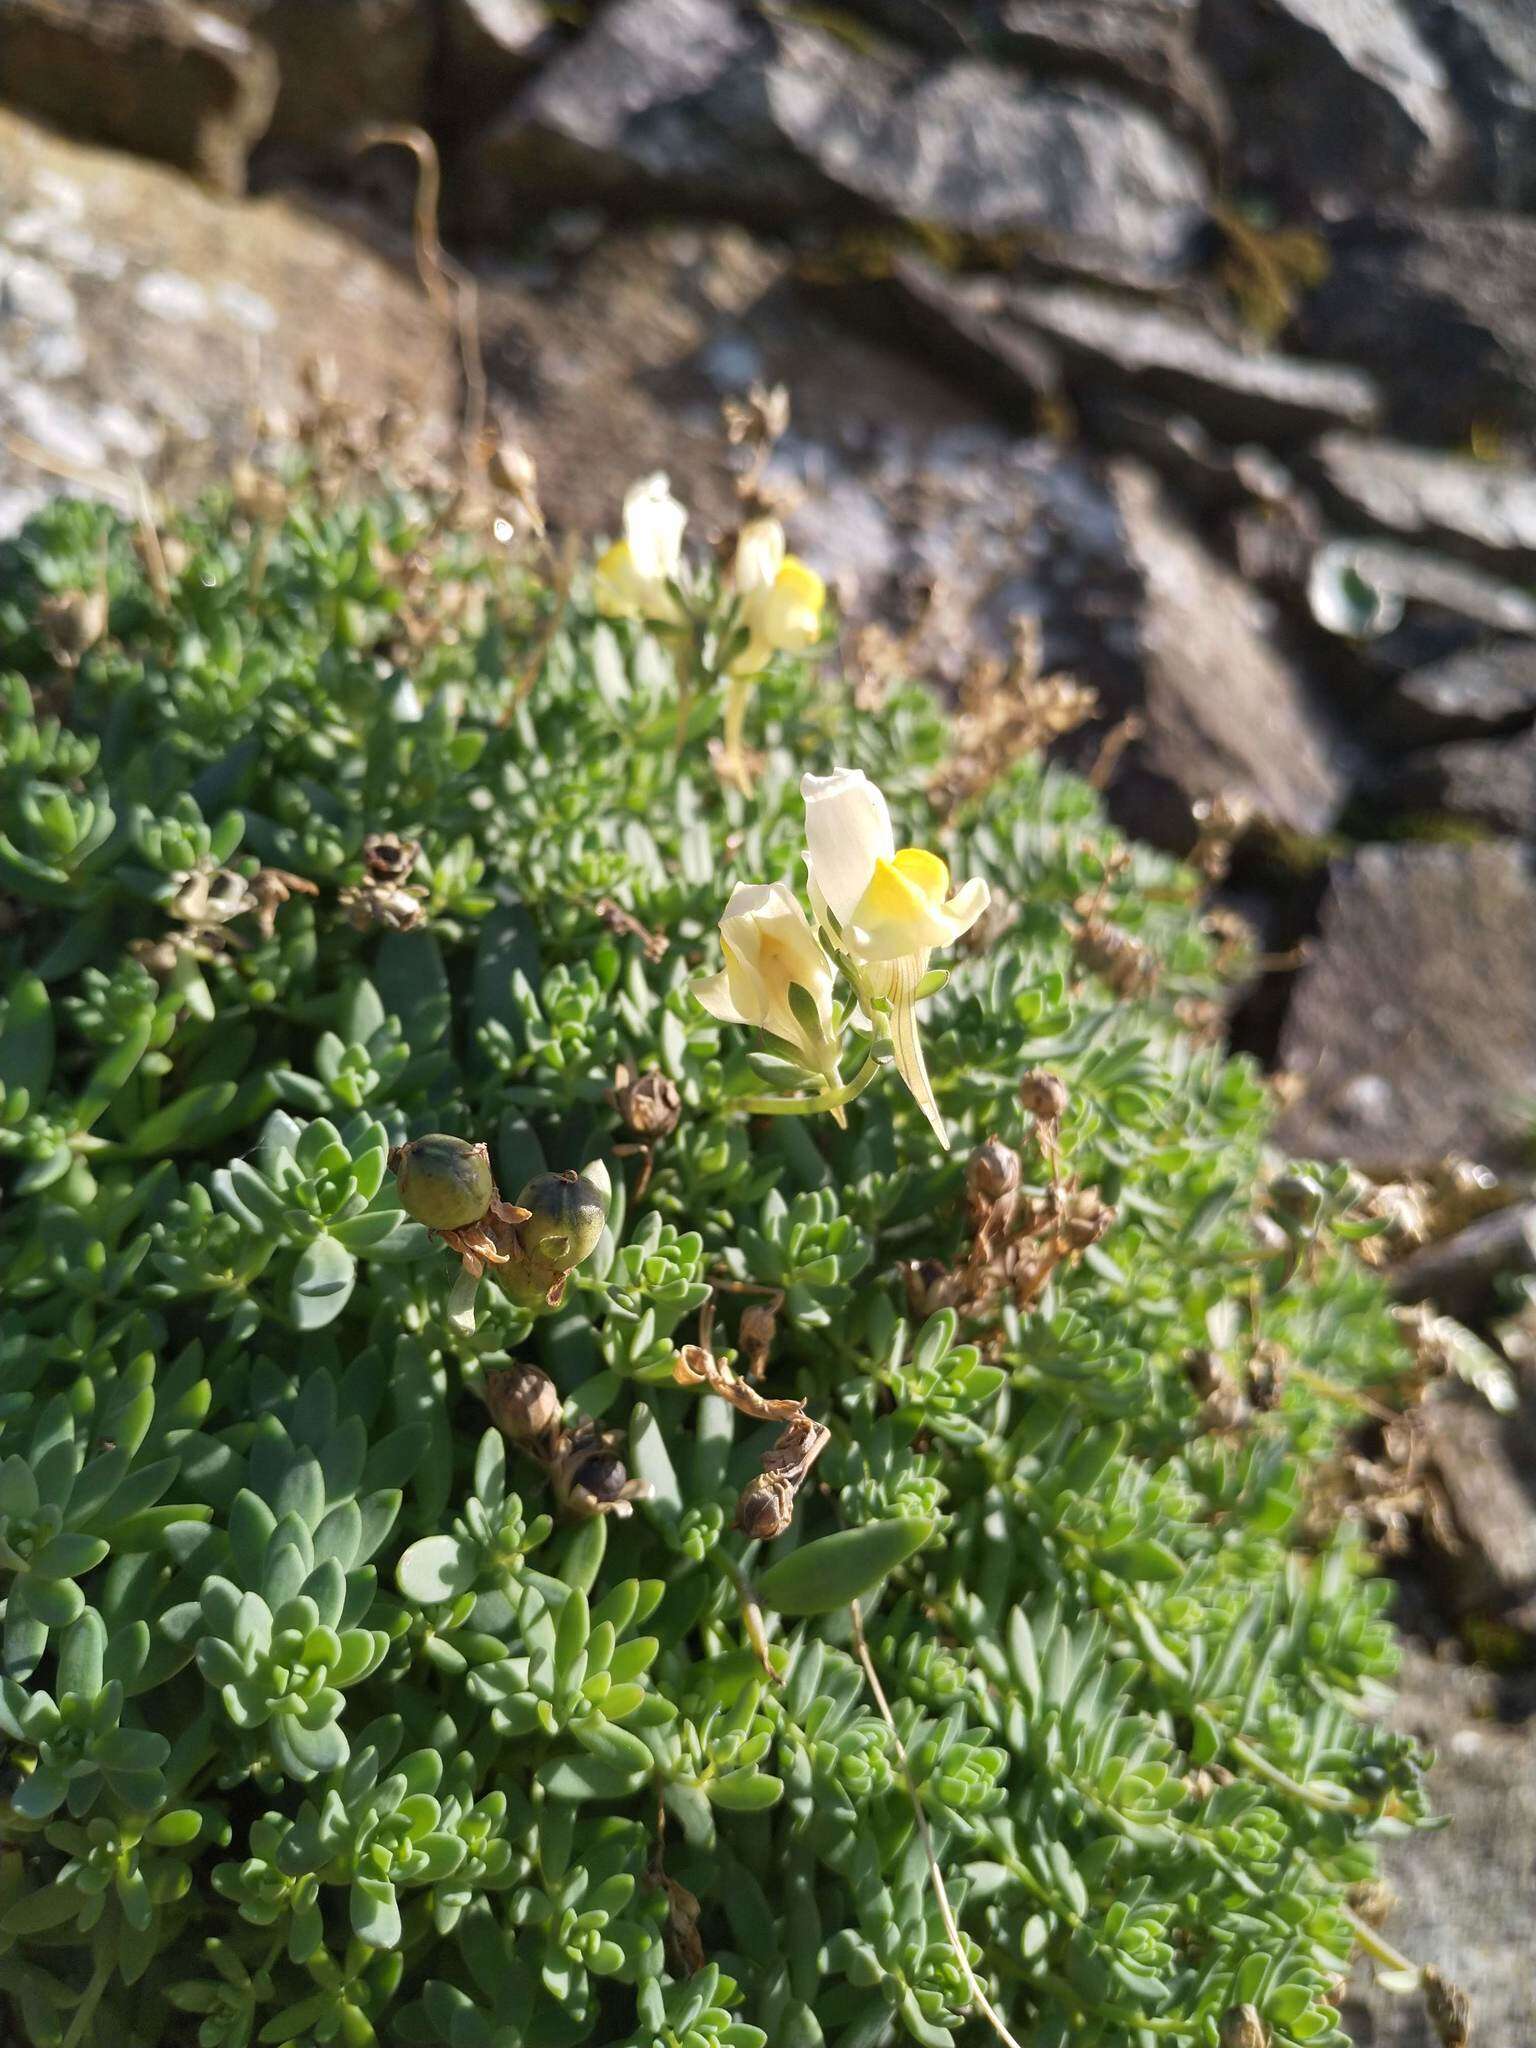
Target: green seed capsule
(528,1282)
(565,1221)
(443,1182)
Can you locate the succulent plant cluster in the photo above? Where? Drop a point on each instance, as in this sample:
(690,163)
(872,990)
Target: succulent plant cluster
(334,1706)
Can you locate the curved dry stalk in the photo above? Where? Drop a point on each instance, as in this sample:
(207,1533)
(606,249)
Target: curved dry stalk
(451,288)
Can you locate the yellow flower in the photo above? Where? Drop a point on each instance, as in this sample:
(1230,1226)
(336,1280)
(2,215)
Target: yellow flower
(781,599)
(888,908)
(770,950)
(631,580)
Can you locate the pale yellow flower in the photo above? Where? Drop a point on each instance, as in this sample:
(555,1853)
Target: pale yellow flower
(632,579)
(781,599)
(888,908)
(770,949)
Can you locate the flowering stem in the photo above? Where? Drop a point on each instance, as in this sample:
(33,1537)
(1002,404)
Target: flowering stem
(738,695)
(1378,1950)
(810,1105)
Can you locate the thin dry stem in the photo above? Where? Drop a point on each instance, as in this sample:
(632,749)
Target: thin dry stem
(979,1998)
(451,288)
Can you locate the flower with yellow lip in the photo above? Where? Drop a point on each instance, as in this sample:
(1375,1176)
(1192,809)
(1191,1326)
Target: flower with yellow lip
(781,599)
(632,580)
(888,908)
(770,951)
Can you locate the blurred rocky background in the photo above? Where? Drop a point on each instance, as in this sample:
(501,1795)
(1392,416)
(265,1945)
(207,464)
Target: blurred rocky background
(1200,333)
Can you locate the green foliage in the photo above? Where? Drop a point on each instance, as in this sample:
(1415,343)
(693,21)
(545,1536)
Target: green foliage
(322,1721)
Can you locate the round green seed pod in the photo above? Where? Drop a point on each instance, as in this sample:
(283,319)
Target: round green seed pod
(528,1282)
(444,1182)
(565,1220)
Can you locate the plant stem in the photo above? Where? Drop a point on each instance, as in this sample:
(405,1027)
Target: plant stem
(738,695)
(809,1105)
(1376,1948)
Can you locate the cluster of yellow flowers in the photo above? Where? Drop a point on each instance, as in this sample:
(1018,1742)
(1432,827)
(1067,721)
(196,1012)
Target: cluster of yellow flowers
(879,910)
(779,600)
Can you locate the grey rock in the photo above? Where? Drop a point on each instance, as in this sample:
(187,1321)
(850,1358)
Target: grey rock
(947,28)
(1487,783)
(343,65)
(1334,99)
(1483,510)
(1459,1273)
(1081,176)
(1226,712)
(1146,51)
(661,102)
(158,77)
(144,319)
(1203,471)
(1485,1562)
(1489,688)
(1489,49)
(1442,306)
(1412,1027)
(1106,341)
(1467,1895)
(489,49)
(700,104)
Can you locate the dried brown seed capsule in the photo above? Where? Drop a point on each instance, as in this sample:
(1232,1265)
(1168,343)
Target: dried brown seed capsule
(1205,1372)
(388,857)
(993,1171)
(1044,1095)
(565,1219)
(444,1182)
(1448,2008)
(524,1402)
(931,1285)
(1241,2027)
(604,1477)
(651,1105)
(754,1339)
(72,622)
(766,1507)
(1088,1218)
(1266,1370)
(1296,1195)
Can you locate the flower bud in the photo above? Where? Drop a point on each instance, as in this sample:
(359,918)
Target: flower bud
(1241,2027)
(524,1402)
(1044,1095)
(651,1105)
(993,1171)
(443,1182)
(565,1219)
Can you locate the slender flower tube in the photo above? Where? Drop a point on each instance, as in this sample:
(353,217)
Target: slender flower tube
(770,951)
(631,581)
(887,908)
